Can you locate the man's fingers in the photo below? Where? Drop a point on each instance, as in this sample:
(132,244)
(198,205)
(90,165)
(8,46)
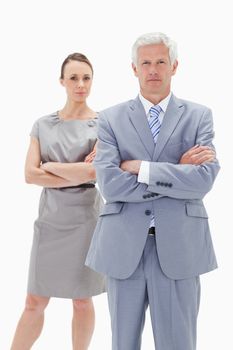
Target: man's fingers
(205,153)
(203,158)
(196,150)
(198,155)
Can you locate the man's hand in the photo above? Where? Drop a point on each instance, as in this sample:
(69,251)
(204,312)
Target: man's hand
(132,166)
(198,155)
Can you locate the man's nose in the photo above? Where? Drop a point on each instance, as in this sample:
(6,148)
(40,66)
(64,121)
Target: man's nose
(153,69)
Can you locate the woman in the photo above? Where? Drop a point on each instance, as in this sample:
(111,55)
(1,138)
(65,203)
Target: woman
(59,159)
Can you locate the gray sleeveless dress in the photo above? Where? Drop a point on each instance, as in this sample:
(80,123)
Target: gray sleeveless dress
(67,216)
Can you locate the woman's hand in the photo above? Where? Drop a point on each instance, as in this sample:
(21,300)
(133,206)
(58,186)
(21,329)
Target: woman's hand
(46,166)
(90,157)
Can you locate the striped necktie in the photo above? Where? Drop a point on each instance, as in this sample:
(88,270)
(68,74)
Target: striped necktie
(154,122)
(155,126)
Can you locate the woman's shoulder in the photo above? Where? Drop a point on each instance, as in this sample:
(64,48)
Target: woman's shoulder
(48,118)
(43,123)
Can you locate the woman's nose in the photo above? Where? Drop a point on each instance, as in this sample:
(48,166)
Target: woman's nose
(80,83)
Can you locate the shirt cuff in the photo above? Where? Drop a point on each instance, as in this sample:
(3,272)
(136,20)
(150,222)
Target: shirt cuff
(144,172)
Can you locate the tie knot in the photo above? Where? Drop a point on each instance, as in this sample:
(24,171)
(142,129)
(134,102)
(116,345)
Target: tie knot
(155,111)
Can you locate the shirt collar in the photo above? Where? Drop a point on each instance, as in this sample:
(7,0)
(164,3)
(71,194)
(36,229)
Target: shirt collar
(147,104)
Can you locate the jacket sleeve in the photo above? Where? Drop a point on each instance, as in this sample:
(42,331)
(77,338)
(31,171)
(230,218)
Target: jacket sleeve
(184,181)
(115,184)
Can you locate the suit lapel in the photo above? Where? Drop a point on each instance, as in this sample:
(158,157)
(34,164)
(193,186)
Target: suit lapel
(171,118)
(139,120)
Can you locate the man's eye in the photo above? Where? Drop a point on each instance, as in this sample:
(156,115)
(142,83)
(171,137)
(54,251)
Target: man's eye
(87,78)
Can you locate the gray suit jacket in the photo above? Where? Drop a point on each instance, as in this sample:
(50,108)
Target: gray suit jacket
(174,193)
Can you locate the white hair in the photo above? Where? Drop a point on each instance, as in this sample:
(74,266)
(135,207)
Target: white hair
(154,38)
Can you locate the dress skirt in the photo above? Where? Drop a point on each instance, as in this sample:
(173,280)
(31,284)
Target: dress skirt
(62,235)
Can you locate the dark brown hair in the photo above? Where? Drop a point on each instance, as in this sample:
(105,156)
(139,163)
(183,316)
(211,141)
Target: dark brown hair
(75,57)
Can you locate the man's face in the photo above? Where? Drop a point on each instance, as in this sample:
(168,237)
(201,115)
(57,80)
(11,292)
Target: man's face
(154,70)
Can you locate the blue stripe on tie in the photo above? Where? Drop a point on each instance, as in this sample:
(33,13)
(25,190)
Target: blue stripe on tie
(155,134)
(153,122)
(156,128)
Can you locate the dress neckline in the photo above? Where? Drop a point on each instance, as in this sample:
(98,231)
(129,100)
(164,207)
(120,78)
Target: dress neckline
(71,120)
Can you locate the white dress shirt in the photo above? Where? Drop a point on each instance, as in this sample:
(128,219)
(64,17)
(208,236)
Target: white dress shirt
(144,172)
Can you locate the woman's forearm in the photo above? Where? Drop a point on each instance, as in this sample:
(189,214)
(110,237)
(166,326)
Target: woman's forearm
(80,172)
(42,178)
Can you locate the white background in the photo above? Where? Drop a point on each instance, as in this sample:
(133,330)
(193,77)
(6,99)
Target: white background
(35,38)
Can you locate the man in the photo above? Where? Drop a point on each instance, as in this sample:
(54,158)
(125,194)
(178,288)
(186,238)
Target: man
(155,162)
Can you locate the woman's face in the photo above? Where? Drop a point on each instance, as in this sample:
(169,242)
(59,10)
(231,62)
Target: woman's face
(77,80)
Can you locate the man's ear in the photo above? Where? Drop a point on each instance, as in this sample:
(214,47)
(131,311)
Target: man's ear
(135,69)
(174,67)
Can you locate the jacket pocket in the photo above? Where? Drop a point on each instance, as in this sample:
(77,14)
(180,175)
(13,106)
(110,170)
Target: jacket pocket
(111,208)
(198,210)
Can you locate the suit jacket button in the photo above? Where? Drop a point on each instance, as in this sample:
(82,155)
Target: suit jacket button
(144,196)
(158,183)
(169,185)
(148,212)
